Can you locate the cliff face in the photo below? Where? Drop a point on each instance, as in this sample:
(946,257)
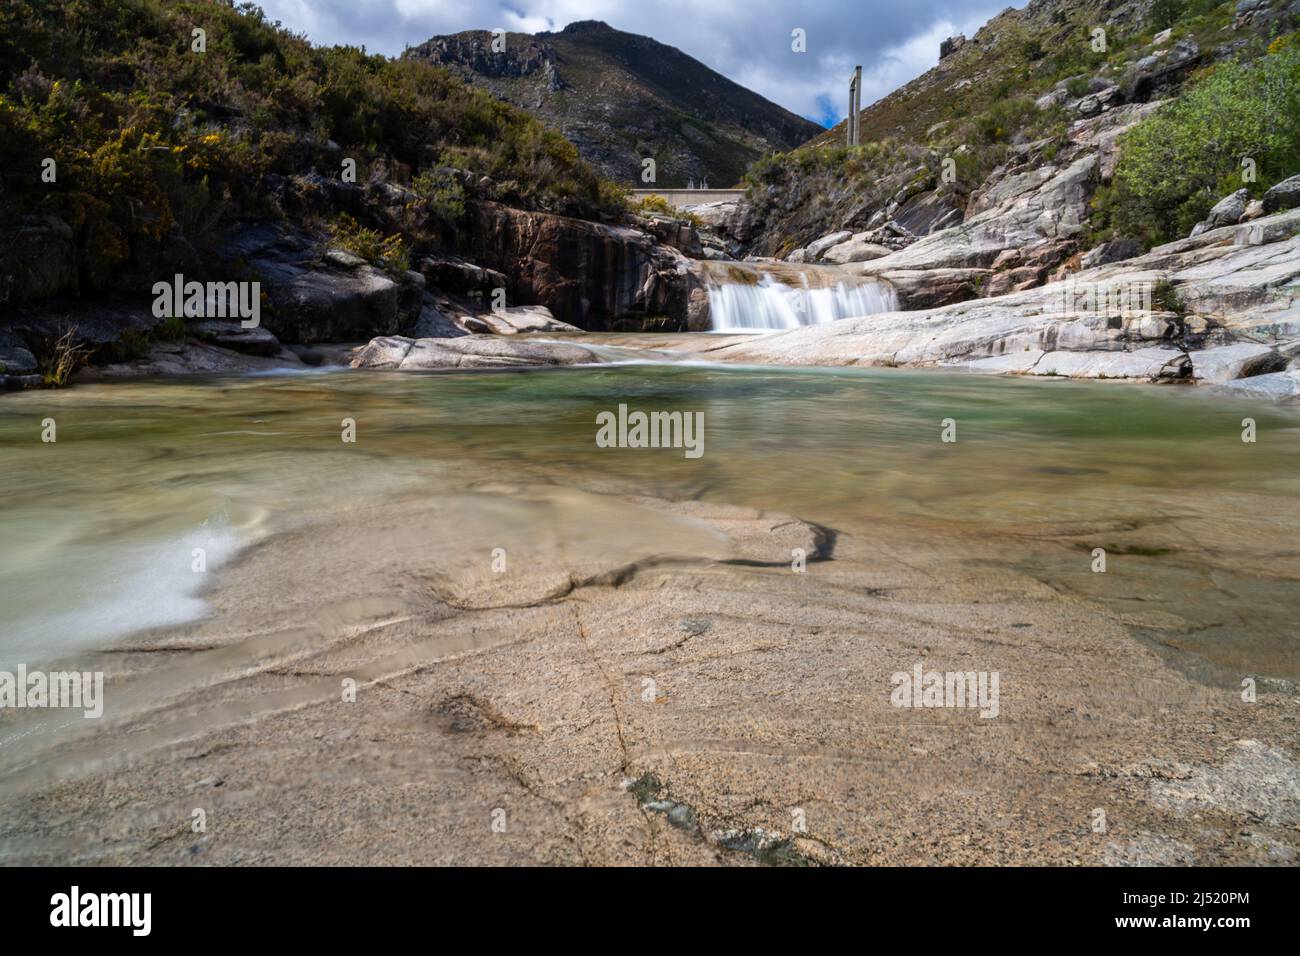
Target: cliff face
(621,98)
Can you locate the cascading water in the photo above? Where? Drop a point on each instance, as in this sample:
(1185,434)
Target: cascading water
(770,305)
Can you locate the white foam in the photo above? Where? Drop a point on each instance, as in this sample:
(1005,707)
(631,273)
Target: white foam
(770,305)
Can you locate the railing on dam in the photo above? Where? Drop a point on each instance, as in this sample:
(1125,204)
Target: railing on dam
(677,198)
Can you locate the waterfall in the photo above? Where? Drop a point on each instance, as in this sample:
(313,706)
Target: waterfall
(770,305)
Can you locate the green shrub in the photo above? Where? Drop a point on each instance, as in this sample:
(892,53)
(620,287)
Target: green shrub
(441,194)
(1177,163)
(387,252)
(149,136)
(1165,13)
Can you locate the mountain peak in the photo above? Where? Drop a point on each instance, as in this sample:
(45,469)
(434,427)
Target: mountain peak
(622,98)
(580,27)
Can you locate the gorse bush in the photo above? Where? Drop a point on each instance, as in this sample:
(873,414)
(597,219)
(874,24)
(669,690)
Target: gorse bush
(388,252)
(1176,164)
(150,136)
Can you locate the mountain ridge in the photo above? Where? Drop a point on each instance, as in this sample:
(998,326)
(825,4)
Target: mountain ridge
(621,98)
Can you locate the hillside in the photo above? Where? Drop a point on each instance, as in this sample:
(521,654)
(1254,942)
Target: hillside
(620,98)
(1032,92)
(366,195)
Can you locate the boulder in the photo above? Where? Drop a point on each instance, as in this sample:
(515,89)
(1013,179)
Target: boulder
(329,304)
(1227,211)
(433,323)
(471,351)
(1099,102)
(15,359)
(1285,195)
(858,248)
(454,274)
(1184,50)
(1228,362)
(516,319)
(815,249)
(317,294)
(1276,386)
(1114,251)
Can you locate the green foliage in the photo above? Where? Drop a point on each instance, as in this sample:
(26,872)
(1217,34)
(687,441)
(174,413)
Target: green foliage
(1077,86)
(1176,164)
(441,194)
(652,203)
(1165,13)
(387,252)
(1165,296)
(150,136)
(171,329)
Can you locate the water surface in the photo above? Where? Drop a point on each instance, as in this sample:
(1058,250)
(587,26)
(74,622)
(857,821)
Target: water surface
(100,528)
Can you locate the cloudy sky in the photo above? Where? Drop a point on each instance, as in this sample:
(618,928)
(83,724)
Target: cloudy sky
(748,41)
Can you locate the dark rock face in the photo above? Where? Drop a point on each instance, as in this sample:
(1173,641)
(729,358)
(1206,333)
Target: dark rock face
(593,276)
(320,298)
(232,335)
(1114,251)
(38,259)
(15,359)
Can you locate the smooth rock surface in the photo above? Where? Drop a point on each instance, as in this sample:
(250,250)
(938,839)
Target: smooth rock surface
(470,351)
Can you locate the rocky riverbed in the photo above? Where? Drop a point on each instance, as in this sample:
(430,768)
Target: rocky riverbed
(474,637)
